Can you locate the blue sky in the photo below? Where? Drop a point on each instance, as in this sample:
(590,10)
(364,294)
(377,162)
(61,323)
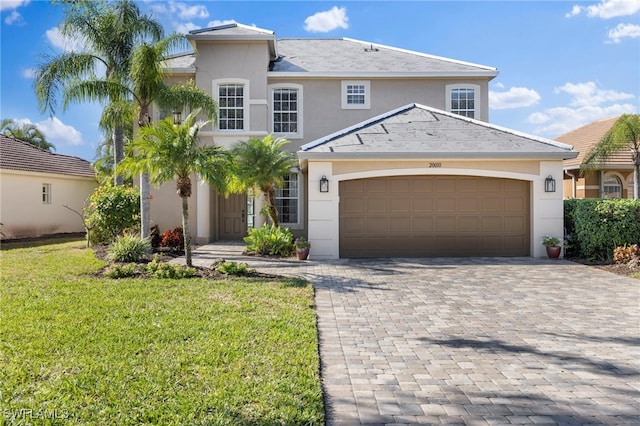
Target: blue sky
(562,64)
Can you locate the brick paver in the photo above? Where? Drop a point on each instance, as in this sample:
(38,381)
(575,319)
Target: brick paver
(474,341)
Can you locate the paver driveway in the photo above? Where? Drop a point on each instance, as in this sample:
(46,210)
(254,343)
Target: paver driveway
(474,341)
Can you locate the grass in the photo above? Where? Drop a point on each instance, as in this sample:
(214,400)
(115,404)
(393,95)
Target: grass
(76,349)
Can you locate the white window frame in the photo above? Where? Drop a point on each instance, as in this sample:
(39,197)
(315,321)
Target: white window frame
(299,134)
(366,84)
(46,193)
(476,98)
(630,186)
(618,183)
(245,103)
(298,199)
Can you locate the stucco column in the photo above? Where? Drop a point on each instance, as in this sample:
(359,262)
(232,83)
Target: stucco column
(203,205)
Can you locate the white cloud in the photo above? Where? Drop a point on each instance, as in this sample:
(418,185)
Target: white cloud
(607,9)
(329,20)
(28,73)
(574,11)
(62,42)
(586,94)
(624,31)
(56,131)
(515,97)
(554,122)
(218,22)
(587,103)
(13,4)
(186,27)
(181,10)
(14,18)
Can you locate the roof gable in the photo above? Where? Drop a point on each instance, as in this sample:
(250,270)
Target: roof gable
(420,131)
(19,155)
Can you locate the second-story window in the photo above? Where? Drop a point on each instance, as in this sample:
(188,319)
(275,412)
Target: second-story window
(356,95)
(231,106)
(464,99)
(285,111)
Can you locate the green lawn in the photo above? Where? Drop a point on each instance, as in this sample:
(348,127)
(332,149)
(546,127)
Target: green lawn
(76,349)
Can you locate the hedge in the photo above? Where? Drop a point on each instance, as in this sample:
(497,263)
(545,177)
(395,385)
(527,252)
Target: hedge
(596,226)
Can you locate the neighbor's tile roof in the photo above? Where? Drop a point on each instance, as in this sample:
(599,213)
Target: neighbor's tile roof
(18,155)
(347,55)
(418,131)
(586,137)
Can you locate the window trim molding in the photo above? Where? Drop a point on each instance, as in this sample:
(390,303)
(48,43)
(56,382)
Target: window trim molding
(245,104)
(300,214)
(273,87)
(367,94)
(46,193)
(477,111)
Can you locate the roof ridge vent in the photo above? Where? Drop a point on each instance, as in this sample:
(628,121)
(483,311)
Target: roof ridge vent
(371,49)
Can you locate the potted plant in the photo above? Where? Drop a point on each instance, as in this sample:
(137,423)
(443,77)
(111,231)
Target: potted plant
(552,244)
(302,246)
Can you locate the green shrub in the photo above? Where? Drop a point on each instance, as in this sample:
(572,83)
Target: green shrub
(121,271)
(602,225)
(129,248)
(270,240)
(571,247)
(233,268)
(111,210)
(168,270)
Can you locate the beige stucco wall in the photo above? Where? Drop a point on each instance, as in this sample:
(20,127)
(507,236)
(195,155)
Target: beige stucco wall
(323,212)
(22,212)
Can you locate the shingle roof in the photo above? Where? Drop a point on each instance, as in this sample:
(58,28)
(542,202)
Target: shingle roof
(18,155)
(348,55)
(334,56)
(586,137)
(418,131)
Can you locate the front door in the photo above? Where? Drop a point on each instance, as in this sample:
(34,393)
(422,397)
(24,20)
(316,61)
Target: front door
(233,217)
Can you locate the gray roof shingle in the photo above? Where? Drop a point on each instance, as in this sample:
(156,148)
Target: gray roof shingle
(347,55)
(18,155)
(420,131)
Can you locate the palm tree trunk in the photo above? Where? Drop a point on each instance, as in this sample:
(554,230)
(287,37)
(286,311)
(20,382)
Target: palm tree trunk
(636,182)
(118,153)
(185,230)
(270,196)
(145,206)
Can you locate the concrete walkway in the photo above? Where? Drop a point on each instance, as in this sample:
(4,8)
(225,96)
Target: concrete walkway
(470,341)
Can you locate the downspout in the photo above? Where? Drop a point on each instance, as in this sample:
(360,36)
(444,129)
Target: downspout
(573,183)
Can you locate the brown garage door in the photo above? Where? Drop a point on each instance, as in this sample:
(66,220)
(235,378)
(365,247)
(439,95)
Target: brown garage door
(430,216)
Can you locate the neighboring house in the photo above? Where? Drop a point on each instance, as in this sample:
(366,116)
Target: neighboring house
(399,122)
(35,185)
(613,179)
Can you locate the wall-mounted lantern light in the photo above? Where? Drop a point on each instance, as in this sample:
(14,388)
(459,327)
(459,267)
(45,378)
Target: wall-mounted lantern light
(324,184)
(549,184)
(177,117)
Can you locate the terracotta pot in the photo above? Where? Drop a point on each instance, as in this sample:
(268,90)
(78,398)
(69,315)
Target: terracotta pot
(553,252)
(303,253)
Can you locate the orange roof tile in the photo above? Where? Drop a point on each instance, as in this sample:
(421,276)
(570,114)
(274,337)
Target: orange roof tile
(586,137)
(19,155)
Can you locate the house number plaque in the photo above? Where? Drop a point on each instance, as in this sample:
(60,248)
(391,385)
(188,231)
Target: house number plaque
(435,165)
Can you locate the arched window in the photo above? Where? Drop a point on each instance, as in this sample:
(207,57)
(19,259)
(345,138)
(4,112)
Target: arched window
(611,187)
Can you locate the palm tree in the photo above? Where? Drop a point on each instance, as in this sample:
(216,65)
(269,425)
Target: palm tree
(261,165)
(168,151)
(110,32)
(26,132)
(624,136)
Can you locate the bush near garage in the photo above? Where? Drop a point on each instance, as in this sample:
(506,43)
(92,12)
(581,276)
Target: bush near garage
(110,211)
(598,226)
(270,240)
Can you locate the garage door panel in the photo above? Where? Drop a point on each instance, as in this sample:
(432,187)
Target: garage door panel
(427,216)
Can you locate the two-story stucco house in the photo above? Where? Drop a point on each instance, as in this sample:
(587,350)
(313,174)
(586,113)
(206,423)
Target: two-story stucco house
(396,155)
